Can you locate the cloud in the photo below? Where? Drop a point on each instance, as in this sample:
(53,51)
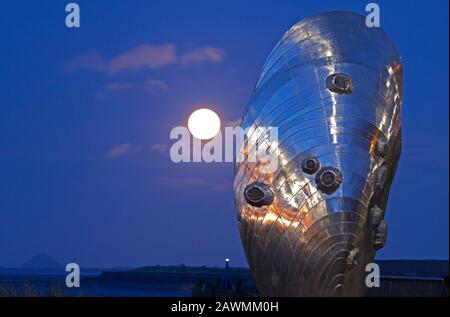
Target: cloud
(114,87)
(122,149)
(138,57)
(118,86)
(118,150)
(155,86)
(146,56)
(203,54)
(160,148)
(91,60)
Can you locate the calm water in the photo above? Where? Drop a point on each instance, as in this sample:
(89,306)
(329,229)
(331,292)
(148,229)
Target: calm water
(41,280)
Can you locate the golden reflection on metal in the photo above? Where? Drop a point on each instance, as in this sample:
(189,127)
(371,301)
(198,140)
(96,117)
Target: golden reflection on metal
(308,242)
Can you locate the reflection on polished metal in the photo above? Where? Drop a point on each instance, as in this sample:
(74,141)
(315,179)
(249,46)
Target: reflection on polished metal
(333,88)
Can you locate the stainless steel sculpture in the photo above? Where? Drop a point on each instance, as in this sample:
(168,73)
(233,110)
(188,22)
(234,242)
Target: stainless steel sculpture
(333,88)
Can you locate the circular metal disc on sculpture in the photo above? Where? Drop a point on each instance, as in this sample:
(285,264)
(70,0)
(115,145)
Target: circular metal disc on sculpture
(310,165)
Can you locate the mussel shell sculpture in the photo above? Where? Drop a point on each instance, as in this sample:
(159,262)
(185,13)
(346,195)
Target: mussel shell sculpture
(332,87)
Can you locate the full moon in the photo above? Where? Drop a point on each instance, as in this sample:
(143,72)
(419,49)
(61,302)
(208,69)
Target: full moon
(204,124)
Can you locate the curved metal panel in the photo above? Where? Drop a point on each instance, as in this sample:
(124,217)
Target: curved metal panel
(333,89)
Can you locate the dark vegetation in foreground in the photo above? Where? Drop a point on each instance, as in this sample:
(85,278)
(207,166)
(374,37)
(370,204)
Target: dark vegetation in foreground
(54,290)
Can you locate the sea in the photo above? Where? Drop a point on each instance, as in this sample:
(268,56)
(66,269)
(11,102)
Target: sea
(51,282)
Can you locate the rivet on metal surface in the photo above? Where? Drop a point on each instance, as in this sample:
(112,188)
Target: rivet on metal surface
(328,179)
(310,165)
(376,216)
(380,236)
(382,148)
(339,83)
(381,177)
(258,194)
(352,258)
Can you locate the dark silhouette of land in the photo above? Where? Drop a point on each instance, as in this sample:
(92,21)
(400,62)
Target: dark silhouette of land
(399,278)
(42,261)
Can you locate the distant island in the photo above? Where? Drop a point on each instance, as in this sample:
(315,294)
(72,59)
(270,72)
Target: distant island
(400,268)
(42,261)
(190,274)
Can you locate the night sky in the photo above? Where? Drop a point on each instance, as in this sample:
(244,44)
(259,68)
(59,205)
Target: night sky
(85,117)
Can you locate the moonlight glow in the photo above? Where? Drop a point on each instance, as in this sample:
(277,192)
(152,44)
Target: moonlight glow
(204,124)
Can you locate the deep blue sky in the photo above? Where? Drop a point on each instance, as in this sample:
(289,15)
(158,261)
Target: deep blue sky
(85,175)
